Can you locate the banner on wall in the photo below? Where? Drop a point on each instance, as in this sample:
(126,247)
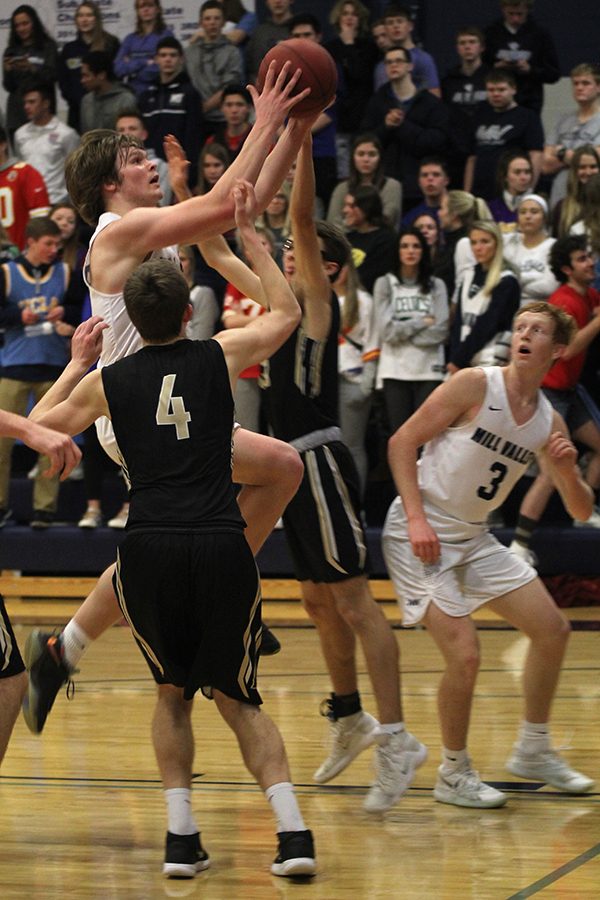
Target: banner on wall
(118,16)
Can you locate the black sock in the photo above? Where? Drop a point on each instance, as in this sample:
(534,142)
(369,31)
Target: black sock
(524,530)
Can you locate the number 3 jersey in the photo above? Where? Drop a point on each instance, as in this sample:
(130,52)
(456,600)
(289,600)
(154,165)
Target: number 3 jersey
(469,470)
(172,413)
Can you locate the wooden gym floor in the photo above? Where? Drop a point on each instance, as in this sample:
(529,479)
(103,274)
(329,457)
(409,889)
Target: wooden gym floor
(82,813)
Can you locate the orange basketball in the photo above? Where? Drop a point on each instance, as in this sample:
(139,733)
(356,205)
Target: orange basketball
(319,73)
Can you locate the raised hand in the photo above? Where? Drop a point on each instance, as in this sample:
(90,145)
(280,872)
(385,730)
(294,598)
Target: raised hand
(245,205)
(178,167)
(86,344)
(274,103)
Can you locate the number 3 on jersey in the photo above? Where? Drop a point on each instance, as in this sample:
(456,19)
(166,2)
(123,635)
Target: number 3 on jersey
(171,411)
(488,492)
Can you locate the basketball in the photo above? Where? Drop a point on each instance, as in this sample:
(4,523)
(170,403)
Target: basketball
(319,73)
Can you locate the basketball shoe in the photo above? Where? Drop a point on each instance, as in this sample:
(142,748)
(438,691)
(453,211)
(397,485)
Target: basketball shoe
(397,758)
(350,735)
(465,788)
(184,856)
(296,854)
(550,768)
(48,671)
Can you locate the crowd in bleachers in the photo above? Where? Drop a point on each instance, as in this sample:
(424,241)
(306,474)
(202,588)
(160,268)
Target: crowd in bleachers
(445,184)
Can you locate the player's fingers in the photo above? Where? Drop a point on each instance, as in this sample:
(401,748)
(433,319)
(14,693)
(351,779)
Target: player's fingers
(290,81)
(283,75)
(71,457)
(271,76)
(292,101)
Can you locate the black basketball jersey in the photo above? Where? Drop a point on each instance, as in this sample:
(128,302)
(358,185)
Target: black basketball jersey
(172,413)
(303,391)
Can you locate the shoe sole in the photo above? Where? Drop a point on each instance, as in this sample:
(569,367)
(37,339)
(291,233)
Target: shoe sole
(420,756)
(535,776)
(453,799)
(322,778)
(181,870)
(32,652)
(290,868)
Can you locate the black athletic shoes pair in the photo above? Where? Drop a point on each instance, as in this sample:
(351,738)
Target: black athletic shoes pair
(185,857)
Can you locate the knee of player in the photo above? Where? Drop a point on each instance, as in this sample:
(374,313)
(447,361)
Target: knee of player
(465,663)
(289,466)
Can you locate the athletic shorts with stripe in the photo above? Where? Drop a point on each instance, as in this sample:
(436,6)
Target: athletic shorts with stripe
(473,567)
(322,522)
(11,662)
(193,602)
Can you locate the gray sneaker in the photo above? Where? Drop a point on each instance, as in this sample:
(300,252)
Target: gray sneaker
(465,788)
(549,768)
(349,737)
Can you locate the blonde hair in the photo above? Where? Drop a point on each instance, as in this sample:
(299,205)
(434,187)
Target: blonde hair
(468,208)
(498,263)
(350,309)
(571,207)
(361,11)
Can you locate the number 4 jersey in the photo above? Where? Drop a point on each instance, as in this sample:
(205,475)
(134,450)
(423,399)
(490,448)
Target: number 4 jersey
(469,470)
(172,412)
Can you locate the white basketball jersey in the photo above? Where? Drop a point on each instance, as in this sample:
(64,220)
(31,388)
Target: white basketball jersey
(469,470)
(121,338)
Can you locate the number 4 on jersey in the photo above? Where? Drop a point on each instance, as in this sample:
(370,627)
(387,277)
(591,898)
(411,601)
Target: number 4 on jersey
(171,411)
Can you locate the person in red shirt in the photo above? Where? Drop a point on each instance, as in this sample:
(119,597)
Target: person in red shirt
(573,265)
(23,194)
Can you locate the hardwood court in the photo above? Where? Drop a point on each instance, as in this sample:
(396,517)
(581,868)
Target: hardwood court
(82,812)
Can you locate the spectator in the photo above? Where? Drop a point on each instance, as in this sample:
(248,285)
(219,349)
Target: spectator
(105,97)
(399,26)
(307,27)
(23,192)
(487,299)
(354,384)
(172,105)
(33,297)
(71,250)
(267,34)
(374,243)
(517,44)
(356,55)
(528,250)
(45,141)
(213,162)
(514,179)
(30,51)
(380,36)
(366,167)
(573,267)
(410,124)
(90,36)
(574,129)
(130,121)
(411,326)
(431,230)
(458,212)
(584,163)
(589,223)
(433,184)
(500,125)
(239,23)
(236,107)
(212,63)
(463,87)
(135,62)
(205,318)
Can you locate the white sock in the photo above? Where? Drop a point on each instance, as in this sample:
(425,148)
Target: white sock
(534,737)
(283,801)
(391,727)
(75,642)
(454,760)
(179,811)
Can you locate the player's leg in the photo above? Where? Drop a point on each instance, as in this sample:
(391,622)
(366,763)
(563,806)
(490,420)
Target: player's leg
(264,754)
(13,680)
(589,435)
(458,783)
(270,472)
(531,511)
(532,610)
(173,741)
(51,659)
